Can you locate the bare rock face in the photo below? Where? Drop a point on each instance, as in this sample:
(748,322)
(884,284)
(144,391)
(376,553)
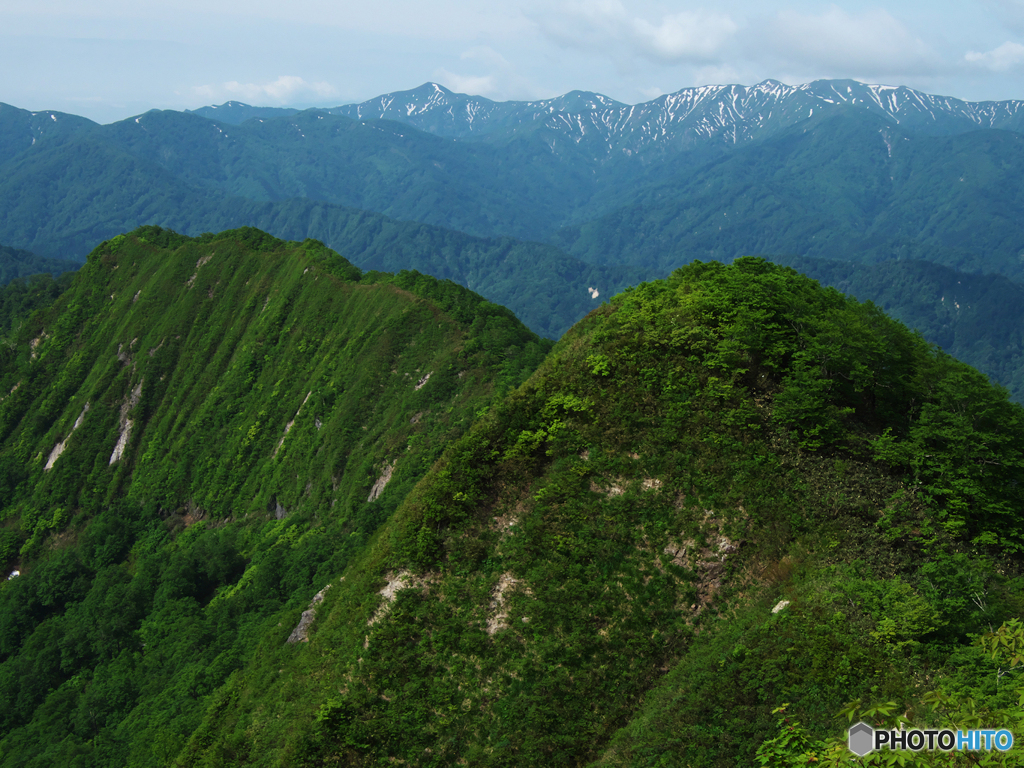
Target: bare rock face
(58,449)
(125,428)
(301,632)
(498,618)
(385,477)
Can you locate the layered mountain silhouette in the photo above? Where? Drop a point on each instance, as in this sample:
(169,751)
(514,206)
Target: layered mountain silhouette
(549,207)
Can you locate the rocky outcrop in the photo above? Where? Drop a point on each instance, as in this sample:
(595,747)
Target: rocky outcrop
(125,428)
(290,424)
(385,477)
(301,632)
(396,581)
(59,448)
(498,618)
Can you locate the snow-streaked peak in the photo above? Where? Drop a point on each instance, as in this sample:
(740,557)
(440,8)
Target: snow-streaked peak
(712,113)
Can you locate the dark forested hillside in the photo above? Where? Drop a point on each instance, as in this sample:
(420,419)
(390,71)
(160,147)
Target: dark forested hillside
(18,263)
(269,510)
(850,187)
(546,288)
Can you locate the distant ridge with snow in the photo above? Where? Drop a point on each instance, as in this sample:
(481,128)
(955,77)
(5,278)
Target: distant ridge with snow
(727,113)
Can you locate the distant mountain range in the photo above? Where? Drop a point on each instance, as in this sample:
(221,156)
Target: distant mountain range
(548,206)
(728,113)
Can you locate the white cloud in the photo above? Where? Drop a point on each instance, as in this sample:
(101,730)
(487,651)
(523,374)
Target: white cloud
(605,26)
(690,36)
(845,45)
(495,78)
(286,89)
(472,84)
(723,74)
(1001,59)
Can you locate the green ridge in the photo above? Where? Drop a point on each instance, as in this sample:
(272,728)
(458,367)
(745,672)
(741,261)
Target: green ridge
(585,575)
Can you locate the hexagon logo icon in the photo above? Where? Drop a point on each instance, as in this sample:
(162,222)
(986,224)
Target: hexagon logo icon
(861,739)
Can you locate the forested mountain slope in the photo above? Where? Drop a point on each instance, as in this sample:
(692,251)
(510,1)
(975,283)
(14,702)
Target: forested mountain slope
(236,112)
(21,129)
(830,170)
(189,407)
(68,198)
(15,262)
(848,187)
(587,574)
(855,181)
(513,190)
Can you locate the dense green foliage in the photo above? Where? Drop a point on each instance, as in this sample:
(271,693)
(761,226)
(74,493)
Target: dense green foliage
(230,409)
(15,263)
(705,442)
(23,295)
(975,318)
(587,573)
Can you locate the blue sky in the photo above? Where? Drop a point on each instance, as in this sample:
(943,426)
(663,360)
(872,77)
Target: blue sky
(111,59)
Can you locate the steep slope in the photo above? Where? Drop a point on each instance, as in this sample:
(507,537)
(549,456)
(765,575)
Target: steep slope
(190,408)
(589,573)
(184,341)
